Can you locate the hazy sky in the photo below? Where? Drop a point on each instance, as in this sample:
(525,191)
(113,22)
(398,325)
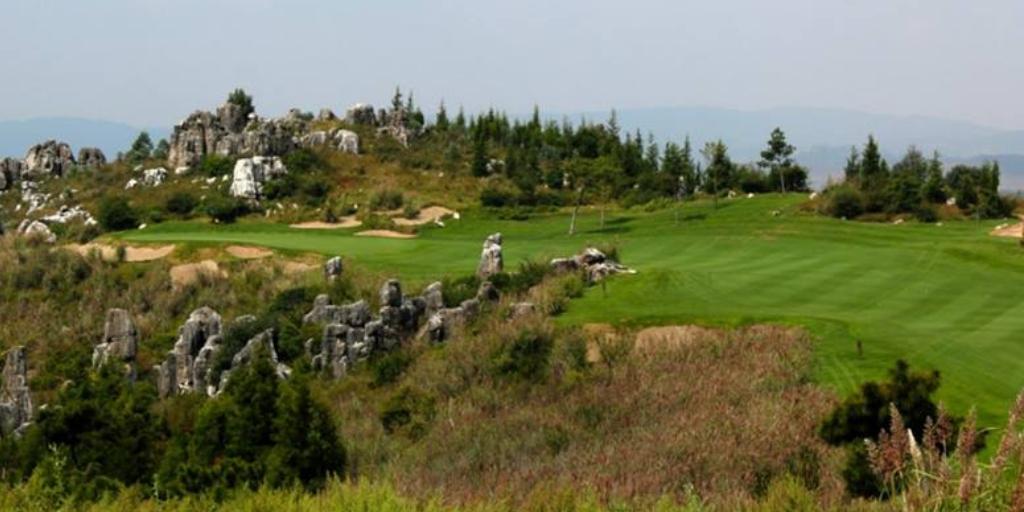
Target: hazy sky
(151,62)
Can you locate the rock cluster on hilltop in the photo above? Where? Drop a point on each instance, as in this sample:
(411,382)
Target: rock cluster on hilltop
(91,157)
(15,399)
(11,170)
(50,158)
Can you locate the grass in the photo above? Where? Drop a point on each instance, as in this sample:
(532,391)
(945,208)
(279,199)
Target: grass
(945,297)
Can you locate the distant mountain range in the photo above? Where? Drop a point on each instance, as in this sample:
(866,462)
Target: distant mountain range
(17,136)
(823,137)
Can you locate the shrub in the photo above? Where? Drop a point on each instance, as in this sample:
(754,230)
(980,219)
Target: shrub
(389,367)
(494,197)
(315,191)
(845,202)
(926,213)
(458,289)
(214,165)
(225,210)
(526,355)
(181,203)
(281,187)
(408,412)
(301,160)
(387,200)
(115,214)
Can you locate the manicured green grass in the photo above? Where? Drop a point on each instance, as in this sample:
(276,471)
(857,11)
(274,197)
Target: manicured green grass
(949,297)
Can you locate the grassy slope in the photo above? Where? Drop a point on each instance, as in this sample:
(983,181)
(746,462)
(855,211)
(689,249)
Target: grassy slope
(943,297)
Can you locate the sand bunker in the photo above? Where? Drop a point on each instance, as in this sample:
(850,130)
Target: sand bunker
(1008,230)
(426,215)
(296,267)
(131,254)
(248,253)
(343,223)
(384,233)
(674,336)
(189,273)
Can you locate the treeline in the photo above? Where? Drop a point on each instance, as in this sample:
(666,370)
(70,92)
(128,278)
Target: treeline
(915,185)
(537,162)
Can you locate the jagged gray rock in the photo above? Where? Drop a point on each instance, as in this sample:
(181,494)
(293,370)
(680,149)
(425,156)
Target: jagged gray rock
(595,265)
(15,398)
(347,141)
(194,138)
(91,157)
(250,174)
(50,158)
(491,259)
(326,114)
(264,342)
(521,309)
(36,230)
(391,293)
(186,368)
(333,268)
(11,170)
(119,343)
(433,297)
(314,139)
(487,292)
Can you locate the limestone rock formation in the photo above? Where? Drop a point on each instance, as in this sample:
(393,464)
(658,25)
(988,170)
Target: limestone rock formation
(91,157)
(250,174)
(119,343)
(361,114)
(491,261)
(50,158)
(326,114)
(434,298)
(187,366)
(194,138)
(594,264)
(347,141)
(313,139)
(333,268)
(15,399)
(262,342)
(11,170)
(391,293)
(36,230)
(154,177)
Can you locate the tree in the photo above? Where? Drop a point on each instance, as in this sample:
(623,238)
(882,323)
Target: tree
(239,98)
(306,445)
(874,172)
(163,148)
(777,158)
(479,163)
(719,167)
(141,149)
(933,189)
(852,169)
(115,214)
(442,123)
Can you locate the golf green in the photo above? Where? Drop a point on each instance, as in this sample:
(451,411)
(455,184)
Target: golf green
(944,296)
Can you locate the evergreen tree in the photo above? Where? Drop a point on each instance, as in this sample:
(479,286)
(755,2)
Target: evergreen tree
(719,171)
(777,158)
(933,190)
(874,171)
(163,148)
(479,163)
(240,98)
(306,445)
(852,169)
(142,148)
(441,123)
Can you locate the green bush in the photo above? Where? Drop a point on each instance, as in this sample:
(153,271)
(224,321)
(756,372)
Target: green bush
(845,202)
(408,412)
(493,197)
(215,165)
(387,200)
(225,210)
(525,356)
(301,161)
(926,213)
(181,203)
(115,214)
(458,289)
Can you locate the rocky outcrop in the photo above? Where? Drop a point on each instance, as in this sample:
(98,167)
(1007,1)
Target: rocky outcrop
(361,114)
(187,366)
(314,139)
(230,132)
(491,260)
(91,157)
(250,174)
(594,264)
(333,268)
(66,214)
(11,170)
(351,335)
(50,158)
(150,178)
(326,114)
(194,138)
(347,141)
(15,399)
(119,343)
(37,230)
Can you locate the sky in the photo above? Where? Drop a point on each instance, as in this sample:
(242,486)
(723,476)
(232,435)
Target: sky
(152,62)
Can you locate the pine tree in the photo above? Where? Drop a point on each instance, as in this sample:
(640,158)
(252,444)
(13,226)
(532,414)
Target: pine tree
(852,169)
(874,171)
(777,158)
(479,163)
(933,190)
(441,123)
(241,99)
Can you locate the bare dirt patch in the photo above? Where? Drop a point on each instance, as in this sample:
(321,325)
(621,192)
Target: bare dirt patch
(385,233)
(674,336)
(425,216)
(343,223)
(248,253)
(296,267)
(131,254)
(189,273)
